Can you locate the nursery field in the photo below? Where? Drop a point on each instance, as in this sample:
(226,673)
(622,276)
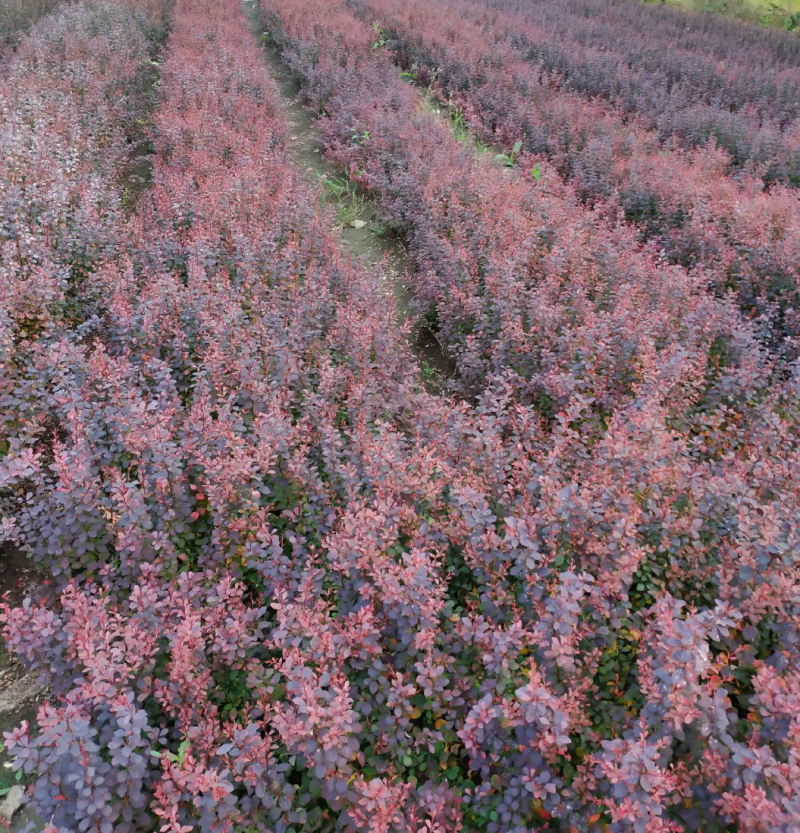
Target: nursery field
(399,418)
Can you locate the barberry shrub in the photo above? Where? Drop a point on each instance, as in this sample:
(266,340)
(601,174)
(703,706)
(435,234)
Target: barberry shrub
(294,591)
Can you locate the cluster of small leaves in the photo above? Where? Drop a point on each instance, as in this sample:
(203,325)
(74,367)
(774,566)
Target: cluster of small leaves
(296,592)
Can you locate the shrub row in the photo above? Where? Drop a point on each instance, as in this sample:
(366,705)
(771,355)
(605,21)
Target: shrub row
(68,107)
(233,383)
(693,81)
(746,239)
(17,16)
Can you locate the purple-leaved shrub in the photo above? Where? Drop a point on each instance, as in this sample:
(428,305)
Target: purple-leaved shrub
(291,590)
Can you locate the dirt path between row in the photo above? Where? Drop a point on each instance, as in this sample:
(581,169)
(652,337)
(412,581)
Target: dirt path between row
(360,232)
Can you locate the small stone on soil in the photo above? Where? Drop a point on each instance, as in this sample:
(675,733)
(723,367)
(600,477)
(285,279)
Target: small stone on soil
(12,803)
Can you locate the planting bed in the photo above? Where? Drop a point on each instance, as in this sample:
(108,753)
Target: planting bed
(276,577)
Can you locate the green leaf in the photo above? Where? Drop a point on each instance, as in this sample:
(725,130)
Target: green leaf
(183,749)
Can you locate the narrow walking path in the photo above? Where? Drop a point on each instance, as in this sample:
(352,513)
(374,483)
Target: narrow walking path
(358,226)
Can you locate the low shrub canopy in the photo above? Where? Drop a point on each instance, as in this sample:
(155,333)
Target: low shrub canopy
(289,589)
